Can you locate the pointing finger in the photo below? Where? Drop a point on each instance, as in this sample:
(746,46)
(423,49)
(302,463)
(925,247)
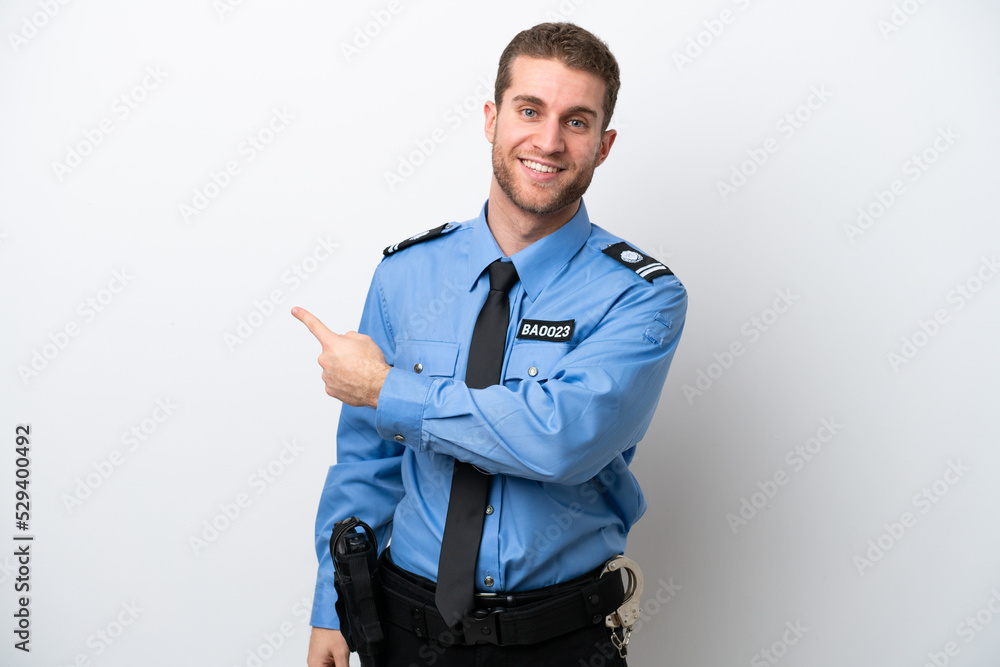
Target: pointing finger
(316,327)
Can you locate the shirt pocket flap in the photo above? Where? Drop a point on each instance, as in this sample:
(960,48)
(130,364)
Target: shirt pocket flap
(534,361)
(427,357)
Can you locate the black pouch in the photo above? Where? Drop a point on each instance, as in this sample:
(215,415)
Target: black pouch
(355,562)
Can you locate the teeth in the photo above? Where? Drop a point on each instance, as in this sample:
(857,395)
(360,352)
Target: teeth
(539,167)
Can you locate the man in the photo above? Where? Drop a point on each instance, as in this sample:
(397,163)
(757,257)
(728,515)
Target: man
(591,326)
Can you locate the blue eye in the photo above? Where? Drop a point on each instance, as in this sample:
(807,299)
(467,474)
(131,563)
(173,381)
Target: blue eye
(577,123)
(530,113)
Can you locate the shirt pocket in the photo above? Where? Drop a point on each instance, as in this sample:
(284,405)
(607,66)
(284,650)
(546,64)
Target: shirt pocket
(536,361)
(427,357)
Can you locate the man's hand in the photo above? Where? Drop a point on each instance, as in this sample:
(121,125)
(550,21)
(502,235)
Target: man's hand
(354,367)
(327,648)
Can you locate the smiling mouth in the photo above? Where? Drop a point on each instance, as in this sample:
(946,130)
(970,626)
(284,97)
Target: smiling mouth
(539,168)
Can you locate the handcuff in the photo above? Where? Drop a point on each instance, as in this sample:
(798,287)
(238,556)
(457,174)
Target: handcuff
(627,614)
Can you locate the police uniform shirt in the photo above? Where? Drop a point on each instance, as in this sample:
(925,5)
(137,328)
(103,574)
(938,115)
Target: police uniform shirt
(593,328)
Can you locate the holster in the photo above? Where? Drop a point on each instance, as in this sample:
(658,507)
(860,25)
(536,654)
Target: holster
(356,578)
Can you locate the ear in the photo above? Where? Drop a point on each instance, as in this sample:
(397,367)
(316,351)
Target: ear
(607,140)
(490,113)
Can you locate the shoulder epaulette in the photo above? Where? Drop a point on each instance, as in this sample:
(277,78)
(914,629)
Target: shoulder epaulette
(645,266)
(418,238)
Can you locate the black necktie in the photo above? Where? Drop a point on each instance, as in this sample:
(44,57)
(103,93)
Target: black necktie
(463,528)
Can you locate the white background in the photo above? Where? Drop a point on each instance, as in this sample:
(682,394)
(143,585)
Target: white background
(828,550)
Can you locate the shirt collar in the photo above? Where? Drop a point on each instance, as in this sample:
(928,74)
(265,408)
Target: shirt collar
(538,263)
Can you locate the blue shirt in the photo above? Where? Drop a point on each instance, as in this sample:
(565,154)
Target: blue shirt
(558,432)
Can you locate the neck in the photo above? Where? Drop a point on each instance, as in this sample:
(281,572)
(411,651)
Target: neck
(514,229)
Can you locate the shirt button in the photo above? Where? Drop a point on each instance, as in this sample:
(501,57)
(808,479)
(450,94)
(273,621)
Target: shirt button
(489,509)
(532,371)
(488,581)
(418,367)
(399,438)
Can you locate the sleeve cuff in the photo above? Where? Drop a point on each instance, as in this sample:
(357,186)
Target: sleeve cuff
(400,410)
(324,609)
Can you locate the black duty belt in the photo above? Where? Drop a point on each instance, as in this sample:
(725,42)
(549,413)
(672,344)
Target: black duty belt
(512,619)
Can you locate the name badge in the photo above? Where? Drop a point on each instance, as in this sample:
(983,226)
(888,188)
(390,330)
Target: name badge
(554,332)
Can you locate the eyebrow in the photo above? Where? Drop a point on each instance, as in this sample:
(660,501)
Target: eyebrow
(531,99)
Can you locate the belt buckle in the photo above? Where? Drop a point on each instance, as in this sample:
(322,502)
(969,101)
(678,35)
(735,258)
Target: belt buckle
(482,627)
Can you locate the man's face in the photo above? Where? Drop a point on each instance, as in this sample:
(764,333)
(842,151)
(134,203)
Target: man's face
(546,134)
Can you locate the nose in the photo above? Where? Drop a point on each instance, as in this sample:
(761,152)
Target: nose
(548,137)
